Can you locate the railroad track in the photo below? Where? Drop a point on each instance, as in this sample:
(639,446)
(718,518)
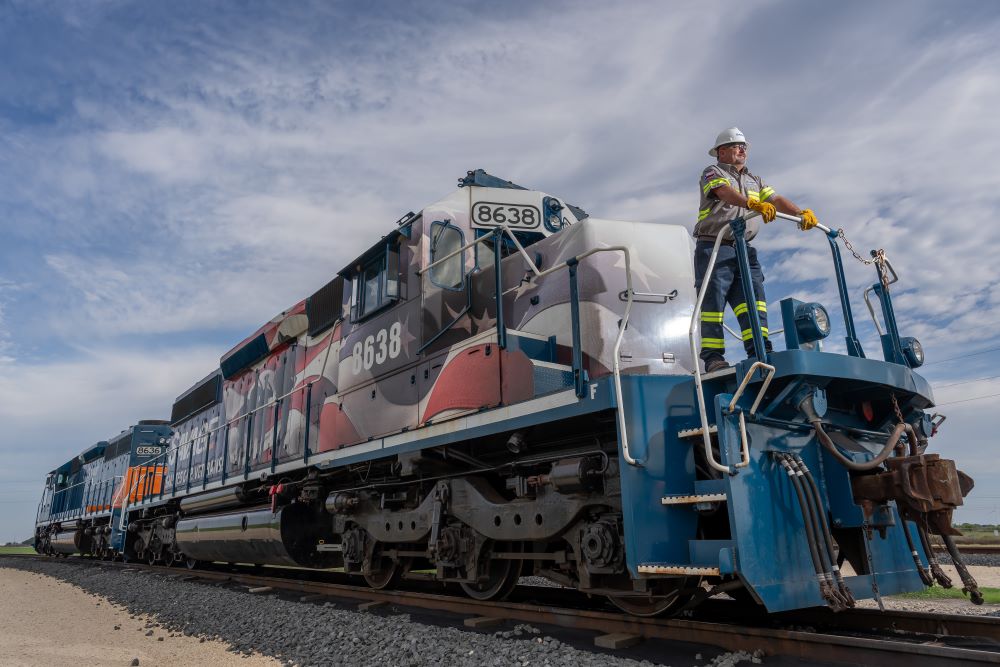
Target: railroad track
(972,548)
(854,637)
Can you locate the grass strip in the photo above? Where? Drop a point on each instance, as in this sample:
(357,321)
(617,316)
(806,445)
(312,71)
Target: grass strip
(990,595)
(13,551)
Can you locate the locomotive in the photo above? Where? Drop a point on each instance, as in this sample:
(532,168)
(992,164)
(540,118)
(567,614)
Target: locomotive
(505,386)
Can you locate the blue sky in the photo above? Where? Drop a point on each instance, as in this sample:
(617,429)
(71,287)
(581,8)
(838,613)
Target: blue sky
(174,174)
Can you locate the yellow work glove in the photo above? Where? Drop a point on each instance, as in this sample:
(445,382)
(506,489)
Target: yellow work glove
(808,220)
(767,211)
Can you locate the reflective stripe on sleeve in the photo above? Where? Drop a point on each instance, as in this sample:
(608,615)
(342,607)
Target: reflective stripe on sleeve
(703,213)
(766,193)
(714,183)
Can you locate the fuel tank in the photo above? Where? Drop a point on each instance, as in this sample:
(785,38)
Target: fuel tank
(71,542)
(256,535)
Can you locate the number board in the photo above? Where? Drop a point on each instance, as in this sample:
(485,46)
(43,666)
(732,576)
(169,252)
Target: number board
(515,216)
(146,450)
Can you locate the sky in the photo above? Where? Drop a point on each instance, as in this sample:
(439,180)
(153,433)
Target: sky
(172,175)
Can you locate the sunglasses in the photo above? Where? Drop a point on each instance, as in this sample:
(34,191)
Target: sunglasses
(738,147)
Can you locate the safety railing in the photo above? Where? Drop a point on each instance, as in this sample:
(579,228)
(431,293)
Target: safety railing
(95,499)
(571,265)
(738,227)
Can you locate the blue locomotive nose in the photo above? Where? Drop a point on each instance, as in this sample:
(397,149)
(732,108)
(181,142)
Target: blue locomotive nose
(799,475)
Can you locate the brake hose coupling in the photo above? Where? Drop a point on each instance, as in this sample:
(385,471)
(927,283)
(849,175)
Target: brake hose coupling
(811,401)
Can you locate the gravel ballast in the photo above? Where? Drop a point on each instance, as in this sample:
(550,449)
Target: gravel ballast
(325,633)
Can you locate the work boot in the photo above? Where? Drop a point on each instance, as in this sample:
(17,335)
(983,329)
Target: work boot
(716,365)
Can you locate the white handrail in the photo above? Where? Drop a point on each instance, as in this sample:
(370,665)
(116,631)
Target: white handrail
(482,239)
(699,393)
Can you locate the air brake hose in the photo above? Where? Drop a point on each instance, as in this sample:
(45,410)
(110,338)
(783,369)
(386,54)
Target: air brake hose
(943,579)
(806,406)
(825,584)
(824,541)
(812,488)
(925,573)
(969,584)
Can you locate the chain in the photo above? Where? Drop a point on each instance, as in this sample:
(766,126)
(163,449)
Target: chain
(866,531)
(878,258)
(847,244)
(895,408)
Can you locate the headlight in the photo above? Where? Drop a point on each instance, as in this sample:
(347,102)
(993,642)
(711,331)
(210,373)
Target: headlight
(913,351)
(811,322)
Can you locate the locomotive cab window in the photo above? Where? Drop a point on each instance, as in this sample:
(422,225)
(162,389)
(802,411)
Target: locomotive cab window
(375,282)
(485,252)
(445,240)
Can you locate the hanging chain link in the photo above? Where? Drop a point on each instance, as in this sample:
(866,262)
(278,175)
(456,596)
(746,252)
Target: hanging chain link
(866,531)
(895,408)
(878,258)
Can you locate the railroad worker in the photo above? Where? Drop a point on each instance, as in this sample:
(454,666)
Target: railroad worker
(728,191)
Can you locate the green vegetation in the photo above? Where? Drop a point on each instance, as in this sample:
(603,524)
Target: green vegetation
(977,534)
(990,595)
(11,551)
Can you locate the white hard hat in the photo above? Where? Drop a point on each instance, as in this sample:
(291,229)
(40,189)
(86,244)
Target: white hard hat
(730,135)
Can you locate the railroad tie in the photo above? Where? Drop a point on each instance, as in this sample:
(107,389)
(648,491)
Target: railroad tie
(617,640)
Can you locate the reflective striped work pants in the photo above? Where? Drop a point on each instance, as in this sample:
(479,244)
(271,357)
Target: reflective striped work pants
(725,287)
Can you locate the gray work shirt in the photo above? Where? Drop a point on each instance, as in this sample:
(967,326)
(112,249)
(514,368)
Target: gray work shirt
(715,214)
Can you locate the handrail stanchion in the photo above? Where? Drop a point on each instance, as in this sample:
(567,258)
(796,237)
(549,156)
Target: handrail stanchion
(225,452)
(246,459)
(698,390)
(187,484)
(574,309)
(739,227)
(498,286)
(853,344)
(173,477)
(305,444)
(274,436)
(204,462)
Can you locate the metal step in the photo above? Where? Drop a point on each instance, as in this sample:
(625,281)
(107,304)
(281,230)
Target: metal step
(694,499)
(718,374)
(549,376)
(686,570)
(696,432)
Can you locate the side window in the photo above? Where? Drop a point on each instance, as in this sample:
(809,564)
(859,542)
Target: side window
(484,250)
(447,239)
(375,284)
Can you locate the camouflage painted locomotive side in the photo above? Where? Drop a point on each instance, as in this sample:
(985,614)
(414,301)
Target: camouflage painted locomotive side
(429,351)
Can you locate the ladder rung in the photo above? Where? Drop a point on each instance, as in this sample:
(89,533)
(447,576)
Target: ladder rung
(679,569)
(694,499)
(696,432)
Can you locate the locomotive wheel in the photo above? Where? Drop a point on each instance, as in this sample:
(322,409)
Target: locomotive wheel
(191,563)
(503,576)
(670,597)
(387,575)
